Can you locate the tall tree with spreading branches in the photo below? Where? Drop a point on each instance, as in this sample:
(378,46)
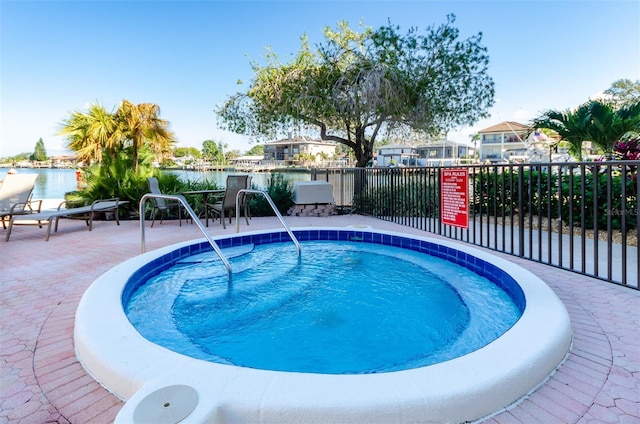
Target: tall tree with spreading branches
(357,85)
(213,151)
(624,93)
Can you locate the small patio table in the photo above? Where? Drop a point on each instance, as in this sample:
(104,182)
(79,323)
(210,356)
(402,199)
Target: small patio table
(205,197)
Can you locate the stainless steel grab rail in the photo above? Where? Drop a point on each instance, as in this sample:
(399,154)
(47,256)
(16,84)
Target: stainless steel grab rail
(194,218)
(273,206)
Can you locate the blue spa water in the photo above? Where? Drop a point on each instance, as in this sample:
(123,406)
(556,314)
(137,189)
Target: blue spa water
(342,308)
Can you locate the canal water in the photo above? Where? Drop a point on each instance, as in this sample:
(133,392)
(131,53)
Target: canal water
(54,183)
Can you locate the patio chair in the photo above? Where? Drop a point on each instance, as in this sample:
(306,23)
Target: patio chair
(161,205)
(227,205)
(245,200)
(15,196)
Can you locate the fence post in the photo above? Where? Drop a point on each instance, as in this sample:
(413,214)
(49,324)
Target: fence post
(521,210)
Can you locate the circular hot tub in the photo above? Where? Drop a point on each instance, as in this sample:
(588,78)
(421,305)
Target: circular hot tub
(161,383)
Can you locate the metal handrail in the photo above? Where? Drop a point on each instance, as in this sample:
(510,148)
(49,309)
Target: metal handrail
(273,206)
(194,218)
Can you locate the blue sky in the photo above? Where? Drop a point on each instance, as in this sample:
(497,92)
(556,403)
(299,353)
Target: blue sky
(187,56)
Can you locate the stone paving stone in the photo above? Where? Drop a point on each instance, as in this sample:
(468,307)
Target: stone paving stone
(524,416)
(574,380)
(599,381)
(54,357)
(60,377)
(99,411)
(583,351)
(560,406)
(39,417)
(605,415)
(507,418)
(595,347)
(626,382)
(628,407)
(16,348)
(63,390)
(19,356)
(61,364)
(51,339)
(618,392)
(590,364)
(586,374)
(27,409)
(85,399)
(108,415)
(79,393)
(16,399)
(604,399)
(626,419)
(539,413)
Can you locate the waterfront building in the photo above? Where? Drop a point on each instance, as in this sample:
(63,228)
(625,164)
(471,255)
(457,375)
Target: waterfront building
(396,155)
(443,153)
(501,142)
(289,151)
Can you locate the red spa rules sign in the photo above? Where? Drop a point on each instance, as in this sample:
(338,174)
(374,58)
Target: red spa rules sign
(454,197)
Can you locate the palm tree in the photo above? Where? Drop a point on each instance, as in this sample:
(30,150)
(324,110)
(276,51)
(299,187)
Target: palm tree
(133,127)
(572,126)
(140,125)
(475,138)
(91,134)
(609,125)
(324,156)
(596,121)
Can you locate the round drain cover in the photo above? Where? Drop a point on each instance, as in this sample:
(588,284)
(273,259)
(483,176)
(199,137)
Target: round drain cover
(168,405)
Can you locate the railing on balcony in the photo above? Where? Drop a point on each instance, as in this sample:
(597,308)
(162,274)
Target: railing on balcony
(580,216)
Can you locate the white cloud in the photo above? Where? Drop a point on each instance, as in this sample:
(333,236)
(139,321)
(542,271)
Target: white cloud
(522,115)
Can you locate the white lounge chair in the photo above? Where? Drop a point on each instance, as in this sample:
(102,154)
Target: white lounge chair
(106,205)
(15,196)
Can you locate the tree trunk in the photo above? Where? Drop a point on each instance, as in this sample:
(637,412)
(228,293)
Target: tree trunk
(134,157)
(363,152)
(361,159)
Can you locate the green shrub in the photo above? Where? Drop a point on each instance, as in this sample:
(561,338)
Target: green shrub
(280,190)
(396,193)
(528,191)
(496,194)
(74,199)
(115,178)
(595,201)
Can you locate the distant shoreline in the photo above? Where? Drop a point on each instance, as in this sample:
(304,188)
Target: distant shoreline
(53,183)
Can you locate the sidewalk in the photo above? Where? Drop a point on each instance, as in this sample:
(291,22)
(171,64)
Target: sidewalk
(42,283)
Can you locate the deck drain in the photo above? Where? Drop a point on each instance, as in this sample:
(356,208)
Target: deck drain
(168,405)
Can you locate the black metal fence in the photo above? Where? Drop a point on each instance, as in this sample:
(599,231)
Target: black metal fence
(581,216)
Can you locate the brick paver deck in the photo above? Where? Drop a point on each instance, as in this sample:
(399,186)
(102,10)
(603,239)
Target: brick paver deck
(42,282)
